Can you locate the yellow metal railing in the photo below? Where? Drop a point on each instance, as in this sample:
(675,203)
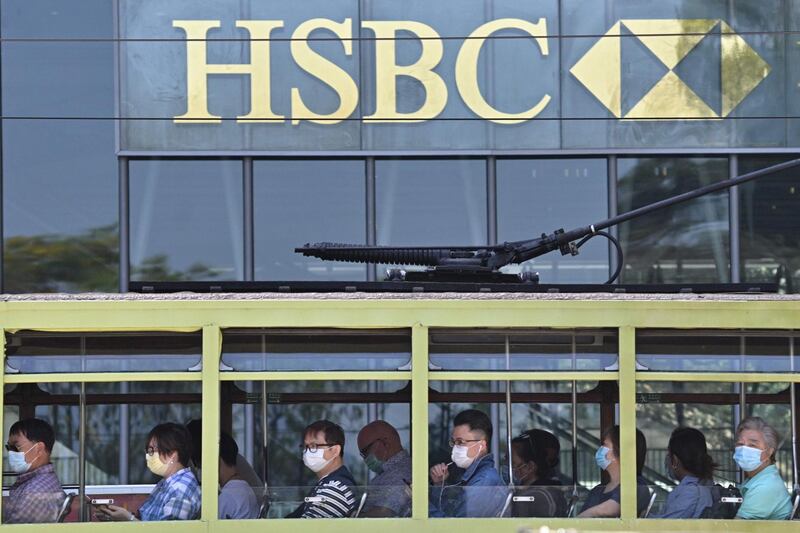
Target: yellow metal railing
(419,315)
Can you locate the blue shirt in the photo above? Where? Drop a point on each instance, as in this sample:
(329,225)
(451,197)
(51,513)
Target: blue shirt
(765,497)
(479,493)
(174,498)
(688,499)
(391,488)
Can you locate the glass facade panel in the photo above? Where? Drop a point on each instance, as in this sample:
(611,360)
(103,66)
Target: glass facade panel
(186,220)
(298,202)
(317,350)
(689,242)
(769,219)
(35,352)
(535,196)
(716,351)
(553,350)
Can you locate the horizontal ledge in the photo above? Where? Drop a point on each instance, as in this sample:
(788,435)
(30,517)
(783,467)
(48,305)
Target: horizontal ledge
(321,375)
(102,377)
(522,376)
(733,377)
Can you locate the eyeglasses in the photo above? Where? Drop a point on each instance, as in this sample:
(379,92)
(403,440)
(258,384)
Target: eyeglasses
(12,448)
(150,450)
(314,446)
(461,442)
(365,450)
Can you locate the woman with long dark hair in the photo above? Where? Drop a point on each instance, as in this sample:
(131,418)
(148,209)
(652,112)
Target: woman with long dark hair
(688,462)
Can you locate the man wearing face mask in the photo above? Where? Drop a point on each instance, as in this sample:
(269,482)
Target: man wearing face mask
(480,492)
(764,493)
(334,495)
(388,494)
(36,496)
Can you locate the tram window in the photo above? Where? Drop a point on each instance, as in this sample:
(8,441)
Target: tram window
(317,349)
(30,352)
(717,351)
(116,422)
(542,435)
(518,349)
(274,429)
(713,409)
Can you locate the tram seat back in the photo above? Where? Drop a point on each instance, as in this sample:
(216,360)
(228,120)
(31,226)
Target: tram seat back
(795,504)
(726,503)
(572,506)
(66,507)
(360,506)
(649,507)
(506,505)
(264,508)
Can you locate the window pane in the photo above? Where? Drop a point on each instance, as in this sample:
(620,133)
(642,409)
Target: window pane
(716,351)
(485,349)
(39,352)
(431,202)
(769,215)
(328,349)
(298,202)
(535,196)
(186,220)
(688,242)
(49,19)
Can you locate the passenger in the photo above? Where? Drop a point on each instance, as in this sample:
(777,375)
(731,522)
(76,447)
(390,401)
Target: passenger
(244,468)
(533,477)
(764,492)
(236,497)
(388,492)
(604,500)
(553,450)
(36,496)
(479,492)
(688,462)
(177,495)
(334,496)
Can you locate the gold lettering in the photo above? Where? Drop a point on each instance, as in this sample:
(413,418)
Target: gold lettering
(198,69)
(387,71)
(325,70)
(467,69)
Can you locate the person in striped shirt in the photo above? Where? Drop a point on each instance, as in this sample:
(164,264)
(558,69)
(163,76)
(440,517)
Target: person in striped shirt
(334,495)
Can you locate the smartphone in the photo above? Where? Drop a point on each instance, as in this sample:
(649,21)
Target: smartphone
(102,501)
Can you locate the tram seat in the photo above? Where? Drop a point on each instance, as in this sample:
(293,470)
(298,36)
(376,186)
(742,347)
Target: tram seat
(360,506)
(66,507)
(795,505)
(506,505)
(646,512)
(572,506)
(264,508)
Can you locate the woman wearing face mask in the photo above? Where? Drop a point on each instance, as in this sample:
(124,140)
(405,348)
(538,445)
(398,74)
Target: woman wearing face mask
(688,462)
(764,492)
(334,495)
(604,500)
(177,495)
(533,477)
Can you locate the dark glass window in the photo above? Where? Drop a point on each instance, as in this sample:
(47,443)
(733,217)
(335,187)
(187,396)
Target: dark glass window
(769,218)
(689,242)
(541,195)
(59,176)
(307,201)
(186,220)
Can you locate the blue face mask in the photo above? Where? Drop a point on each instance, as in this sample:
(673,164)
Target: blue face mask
(747,458)
(600,457)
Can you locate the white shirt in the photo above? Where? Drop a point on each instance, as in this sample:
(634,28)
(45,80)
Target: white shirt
(237,500)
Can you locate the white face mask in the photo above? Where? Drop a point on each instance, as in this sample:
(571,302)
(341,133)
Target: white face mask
(460,457)
(315,461)
(17,463)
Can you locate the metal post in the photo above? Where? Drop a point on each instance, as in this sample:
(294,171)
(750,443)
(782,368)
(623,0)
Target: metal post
(793,407)
(371,214)
(124,224)
(82,452)
(574,421)
(733,220)
(249,224)
(264,437)
(124,420)
(508,415)
(613,208)
(491,200)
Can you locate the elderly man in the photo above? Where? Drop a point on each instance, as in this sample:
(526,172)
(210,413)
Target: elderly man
(388,493)
(764,492)
(36,496)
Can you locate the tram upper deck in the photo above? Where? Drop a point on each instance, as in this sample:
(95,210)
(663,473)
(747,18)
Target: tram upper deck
(105,369)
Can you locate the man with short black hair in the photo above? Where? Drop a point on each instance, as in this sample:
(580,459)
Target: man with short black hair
(36,496)
(479,492)
(334,496)
(236,497)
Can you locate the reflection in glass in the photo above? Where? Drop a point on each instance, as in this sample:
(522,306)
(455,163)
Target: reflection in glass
(688,242)
(186,220)
(298,202)
(452,349)
(42,352)
(769,217)
(321,349)
(541,195)
(716,351)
